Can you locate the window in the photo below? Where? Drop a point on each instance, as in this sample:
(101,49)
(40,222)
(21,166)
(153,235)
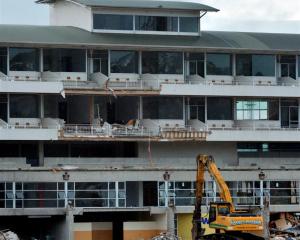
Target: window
(196,64)
(24,59)
(288,66)
(219,109)
(154,23)
(189,24)
(197,109)
(24,106)
(162,62)
(3,60)
(124,62)
(162,108)
(98,62)
(252,110)
(219,64)
(113,22)
(255,65)
(64,60)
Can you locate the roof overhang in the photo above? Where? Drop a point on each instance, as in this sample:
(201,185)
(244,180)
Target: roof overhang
(148,4)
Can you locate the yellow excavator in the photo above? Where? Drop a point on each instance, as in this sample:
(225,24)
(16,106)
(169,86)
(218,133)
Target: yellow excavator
(228,222)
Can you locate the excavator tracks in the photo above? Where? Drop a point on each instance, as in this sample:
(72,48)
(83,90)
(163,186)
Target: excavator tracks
(231,236)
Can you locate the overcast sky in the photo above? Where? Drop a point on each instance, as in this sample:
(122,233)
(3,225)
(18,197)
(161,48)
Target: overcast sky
(235,15)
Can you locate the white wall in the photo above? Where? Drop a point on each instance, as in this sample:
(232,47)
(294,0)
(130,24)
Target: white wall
(224,153)
(69,14)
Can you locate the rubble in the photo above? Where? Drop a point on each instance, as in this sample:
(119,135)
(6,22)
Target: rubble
(285,227)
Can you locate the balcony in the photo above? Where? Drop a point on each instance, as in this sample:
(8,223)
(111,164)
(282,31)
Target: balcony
(29,129)
(155,130)
(28,82)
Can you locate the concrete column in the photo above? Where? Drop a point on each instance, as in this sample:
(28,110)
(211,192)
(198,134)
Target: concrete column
(42,110)
(41,153)
(170,220)
(117,194)
(91,109)
(141,194)
(69,224)
(298,112)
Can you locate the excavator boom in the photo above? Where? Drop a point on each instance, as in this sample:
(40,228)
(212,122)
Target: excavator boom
(223,215)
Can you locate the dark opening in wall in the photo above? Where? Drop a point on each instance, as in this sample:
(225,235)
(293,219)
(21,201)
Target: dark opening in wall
(91,149)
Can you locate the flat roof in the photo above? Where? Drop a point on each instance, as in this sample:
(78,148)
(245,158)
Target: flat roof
(154,4)
(76,37)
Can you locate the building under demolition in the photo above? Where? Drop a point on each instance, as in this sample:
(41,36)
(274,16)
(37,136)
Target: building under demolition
(103,112)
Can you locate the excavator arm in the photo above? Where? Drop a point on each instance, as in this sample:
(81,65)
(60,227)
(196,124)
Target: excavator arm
(207,162)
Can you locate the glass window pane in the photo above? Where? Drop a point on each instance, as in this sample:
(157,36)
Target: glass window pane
(219,64)
(240,115)
(24,59)
(156,23)
(113,22)
(162,108)
(243,65)
(162,62)
(24,106)
(219,109)
(3,60)
(124,61)
(263,114)
(263,65)
(64,60)
(189,24)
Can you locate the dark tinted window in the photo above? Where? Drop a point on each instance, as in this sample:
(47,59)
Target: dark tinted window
(24,59)
(113,22)
(162,62)
(189,24)
(162,108)
(3,60)
(64,60)
(155,23)
(255,65)
(219,109)
(24,106)
(124,62)
(219,64)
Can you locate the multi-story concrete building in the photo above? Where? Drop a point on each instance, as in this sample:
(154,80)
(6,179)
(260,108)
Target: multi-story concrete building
(103,113)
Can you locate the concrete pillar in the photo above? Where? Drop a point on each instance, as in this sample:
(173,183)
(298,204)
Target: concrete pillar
(170,220)
(41,153)
(141,194)
(42,111)
(91,109)
(69,224)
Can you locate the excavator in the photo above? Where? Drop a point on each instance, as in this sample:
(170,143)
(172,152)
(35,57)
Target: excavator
(229,223)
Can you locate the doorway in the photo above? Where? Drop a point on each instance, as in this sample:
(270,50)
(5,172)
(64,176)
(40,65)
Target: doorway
(63,111)
(289,114)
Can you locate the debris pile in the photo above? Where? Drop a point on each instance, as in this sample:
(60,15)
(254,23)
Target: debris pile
(166,236)
(285,226)
(8,235)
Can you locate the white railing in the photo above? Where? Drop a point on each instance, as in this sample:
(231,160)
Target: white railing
(104,131)
(253,128)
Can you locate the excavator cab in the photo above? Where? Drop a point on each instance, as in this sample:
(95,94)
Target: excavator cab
(216,210)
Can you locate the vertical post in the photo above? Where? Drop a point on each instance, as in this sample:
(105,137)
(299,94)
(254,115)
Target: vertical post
(117,194)
(297,69)
(166,193)
(14,194)
(42,110)
(41,62)
(8,108)
(233,65)
(41,153)
(66,192)
(215,191)
(8,62)
(205,107)
(141,194)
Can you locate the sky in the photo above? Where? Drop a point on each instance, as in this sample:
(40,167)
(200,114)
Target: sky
(235,15)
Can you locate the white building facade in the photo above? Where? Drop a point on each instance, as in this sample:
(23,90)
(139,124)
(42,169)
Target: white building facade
(103,113)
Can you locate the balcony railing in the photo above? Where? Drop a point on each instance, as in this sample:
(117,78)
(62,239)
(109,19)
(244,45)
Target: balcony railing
(105,131)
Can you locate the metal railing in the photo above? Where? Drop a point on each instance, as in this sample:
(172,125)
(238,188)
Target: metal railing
(104,131)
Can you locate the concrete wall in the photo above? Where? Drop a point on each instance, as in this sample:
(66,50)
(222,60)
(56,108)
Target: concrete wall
(224,153)
(69,14)
(141,230)
(93,231)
